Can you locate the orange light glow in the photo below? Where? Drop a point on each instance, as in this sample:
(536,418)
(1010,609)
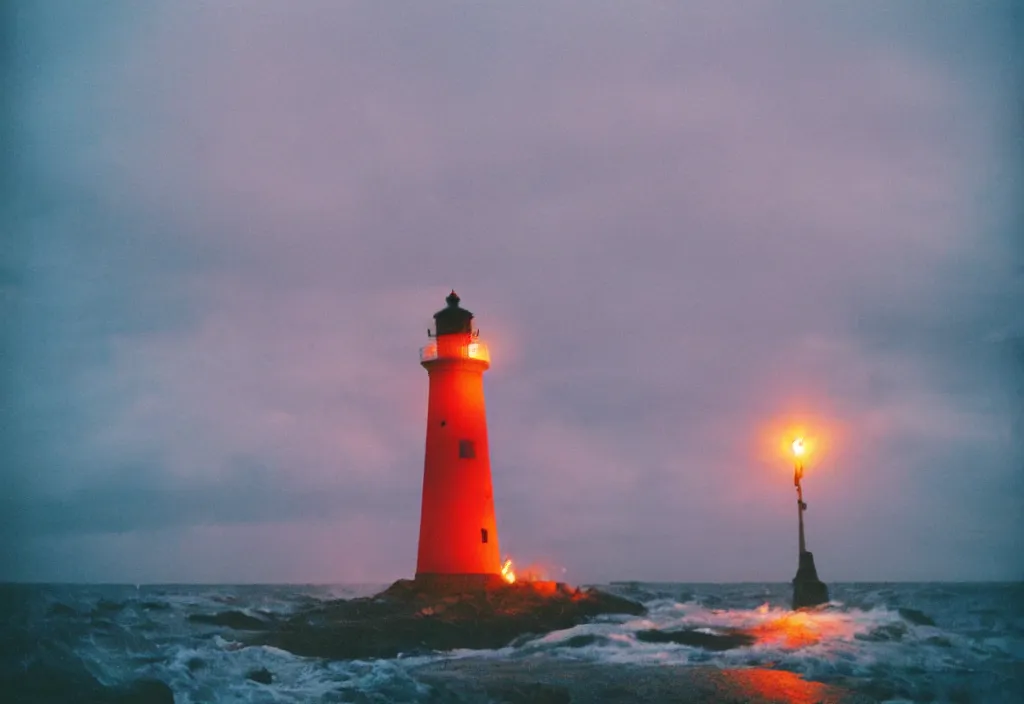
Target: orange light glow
(800,629)
(775,686)
(810,440)
(790,632)
(801,443)
(507,573)
(478,350)
(533,572)
(428,352)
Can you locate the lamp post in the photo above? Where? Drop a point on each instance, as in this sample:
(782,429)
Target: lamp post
(798,475)
(808,590)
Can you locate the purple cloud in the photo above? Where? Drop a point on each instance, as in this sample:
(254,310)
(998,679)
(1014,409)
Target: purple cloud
(674,224)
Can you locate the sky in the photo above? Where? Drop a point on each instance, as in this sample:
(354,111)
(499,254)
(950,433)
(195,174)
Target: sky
(684,230)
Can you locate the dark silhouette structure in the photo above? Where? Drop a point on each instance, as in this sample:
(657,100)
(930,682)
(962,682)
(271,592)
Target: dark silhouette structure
(808,590)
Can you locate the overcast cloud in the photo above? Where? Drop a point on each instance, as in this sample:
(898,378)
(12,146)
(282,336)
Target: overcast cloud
(678,224)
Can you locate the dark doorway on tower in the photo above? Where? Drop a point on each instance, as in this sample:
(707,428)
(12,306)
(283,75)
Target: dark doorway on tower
(483,535)
(467,450)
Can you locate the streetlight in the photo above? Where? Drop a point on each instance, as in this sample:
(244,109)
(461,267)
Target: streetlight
(808,590)
(798,474)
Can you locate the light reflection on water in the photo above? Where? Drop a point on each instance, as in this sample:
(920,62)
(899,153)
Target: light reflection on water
(939,642)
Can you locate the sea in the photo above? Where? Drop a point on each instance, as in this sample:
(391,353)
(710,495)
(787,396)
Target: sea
(898,642)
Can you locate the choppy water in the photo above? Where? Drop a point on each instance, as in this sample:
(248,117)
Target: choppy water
(911,642)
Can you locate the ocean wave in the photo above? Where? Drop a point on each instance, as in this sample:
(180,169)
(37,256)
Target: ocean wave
(889,652)
(912,642)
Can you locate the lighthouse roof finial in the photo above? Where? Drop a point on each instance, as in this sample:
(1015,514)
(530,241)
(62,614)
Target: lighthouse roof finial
(453,319)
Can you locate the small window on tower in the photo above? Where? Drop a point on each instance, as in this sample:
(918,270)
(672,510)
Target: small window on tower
(467,450)
(483,535)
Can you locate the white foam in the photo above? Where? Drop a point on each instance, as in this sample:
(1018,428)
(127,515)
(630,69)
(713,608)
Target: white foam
(869,641)
(821,644)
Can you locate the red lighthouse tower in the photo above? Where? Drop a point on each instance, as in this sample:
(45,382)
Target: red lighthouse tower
(458,546)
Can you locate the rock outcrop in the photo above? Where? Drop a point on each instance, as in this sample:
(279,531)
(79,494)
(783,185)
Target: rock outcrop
(412,618)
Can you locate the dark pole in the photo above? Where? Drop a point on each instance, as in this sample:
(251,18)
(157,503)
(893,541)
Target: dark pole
(798,474)
(808,590)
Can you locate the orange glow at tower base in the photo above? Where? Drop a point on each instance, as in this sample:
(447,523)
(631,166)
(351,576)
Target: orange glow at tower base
(507,573)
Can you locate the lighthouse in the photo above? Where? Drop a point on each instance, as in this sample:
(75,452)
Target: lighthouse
(458,545)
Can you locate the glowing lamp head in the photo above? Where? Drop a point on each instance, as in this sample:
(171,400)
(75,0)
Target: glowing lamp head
(798,447)
(478,350)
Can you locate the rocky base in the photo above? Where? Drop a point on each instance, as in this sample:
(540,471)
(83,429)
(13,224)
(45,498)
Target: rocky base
(546,680)
(808,590)
(411,617)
